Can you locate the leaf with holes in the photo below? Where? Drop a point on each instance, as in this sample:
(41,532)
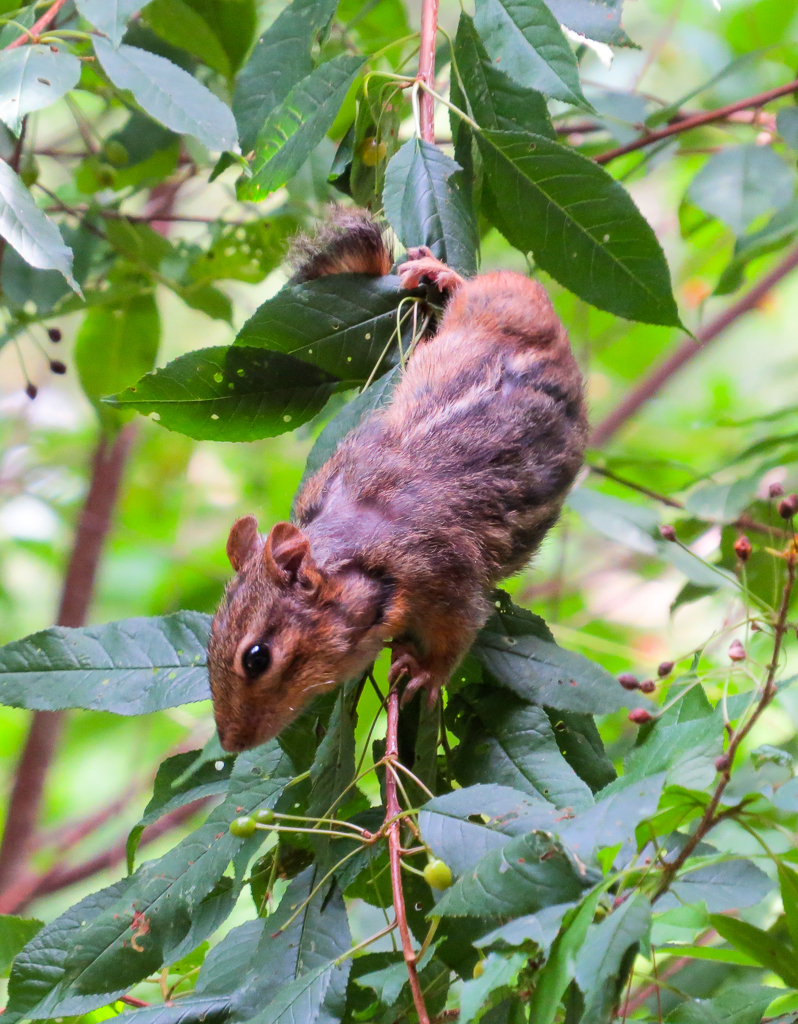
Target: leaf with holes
(131,667)
(33,77)
(581,225)
(230,394)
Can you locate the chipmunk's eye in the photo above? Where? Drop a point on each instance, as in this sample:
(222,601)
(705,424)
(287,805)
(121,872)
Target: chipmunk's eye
(256,660)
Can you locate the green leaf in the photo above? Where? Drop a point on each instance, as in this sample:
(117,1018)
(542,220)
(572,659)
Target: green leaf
(230,394)
(109,16)
(334,767)
(494,99)
(581,225)
(169,94)
(175,787)
(80,962)
(528,873)
(540,928)
(499,974)
(621,521)
(603,961)
(727,885)
(596,19)
(179,24)
(686,751)
(425,206)
(526,38)
(29,230)
(246,252)
(342,323)
(766,949)
(294,128)
(33,77)
(558,971)
(787,125)
(540,671)
(512,743)
(740,183)
(614,818)
(779,230)
(788,884)
(737,1004)
(225,965)
(281,58)
(375,396)
(463,826)
(130,667)
(580,744)
(15,932)
(114,347)
(722,503)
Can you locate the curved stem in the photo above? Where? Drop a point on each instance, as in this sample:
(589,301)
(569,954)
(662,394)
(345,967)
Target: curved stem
(32,34)
(426,66)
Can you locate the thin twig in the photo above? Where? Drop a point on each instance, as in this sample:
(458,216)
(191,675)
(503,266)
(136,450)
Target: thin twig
(707,117)
(393,813)
(710,818)
(32,34)
(426,66)
(659,377)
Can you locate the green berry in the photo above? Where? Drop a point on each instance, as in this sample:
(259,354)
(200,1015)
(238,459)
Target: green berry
(264,817)
(437,874)
(115,153)
(242,827)
(29,169)
(479,969)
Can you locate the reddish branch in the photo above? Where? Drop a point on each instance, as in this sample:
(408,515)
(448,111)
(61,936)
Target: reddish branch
(707,117)
(45,729)
(426,66)
(31,35)
(392,814)
(657,379)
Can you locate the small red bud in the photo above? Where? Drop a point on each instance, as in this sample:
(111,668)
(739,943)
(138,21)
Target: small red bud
(736,651)
(628,681)
(649,686)
(665,669)
(755,627)
(722,762)
(31,390)
(788,506)
(667,532)
(775,490)
(742,548)
(639,716)
(54,334)
(57,366)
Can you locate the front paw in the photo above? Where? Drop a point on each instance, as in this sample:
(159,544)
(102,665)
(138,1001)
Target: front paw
(423,268)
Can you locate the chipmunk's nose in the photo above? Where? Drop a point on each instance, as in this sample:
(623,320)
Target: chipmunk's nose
(232,741)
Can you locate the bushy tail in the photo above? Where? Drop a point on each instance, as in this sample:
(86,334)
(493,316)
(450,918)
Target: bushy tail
(349,241)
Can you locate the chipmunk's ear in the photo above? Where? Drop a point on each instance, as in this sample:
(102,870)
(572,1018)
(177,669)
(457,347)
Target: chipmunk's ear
(288,551)
(243,541)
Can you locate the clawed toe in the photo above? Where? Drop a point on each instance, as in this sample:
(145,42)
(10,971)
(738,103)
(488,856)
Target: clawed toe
(423,267)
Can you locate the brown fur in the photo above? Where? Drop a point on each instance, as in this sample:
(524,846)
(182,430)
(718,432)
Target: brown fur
(419,512)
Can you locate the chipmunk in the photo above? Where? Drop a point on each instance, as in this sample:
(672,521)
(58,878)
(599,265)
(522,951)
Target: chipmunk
(421,510)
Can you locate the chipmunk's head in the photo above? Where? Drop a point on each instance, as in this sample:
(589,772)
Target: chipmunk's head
(286,631)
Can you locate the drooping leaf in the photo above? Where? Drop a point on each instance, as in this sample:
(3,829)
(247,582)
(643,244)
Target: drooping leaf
(528,873)
(581,225)
(29,230)
(109,16)
(114,347)
(131,667)
(230,394)
(33,77)
(169,94)
(512,743)
(15,932)
(375,396)
(425,206)
(740,183)
(495,100)
(179,24)
(342,323)
(737,1004)
(155,916)
(526,38)
(603,961)
(580,744)
(295,127)
(280,59)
